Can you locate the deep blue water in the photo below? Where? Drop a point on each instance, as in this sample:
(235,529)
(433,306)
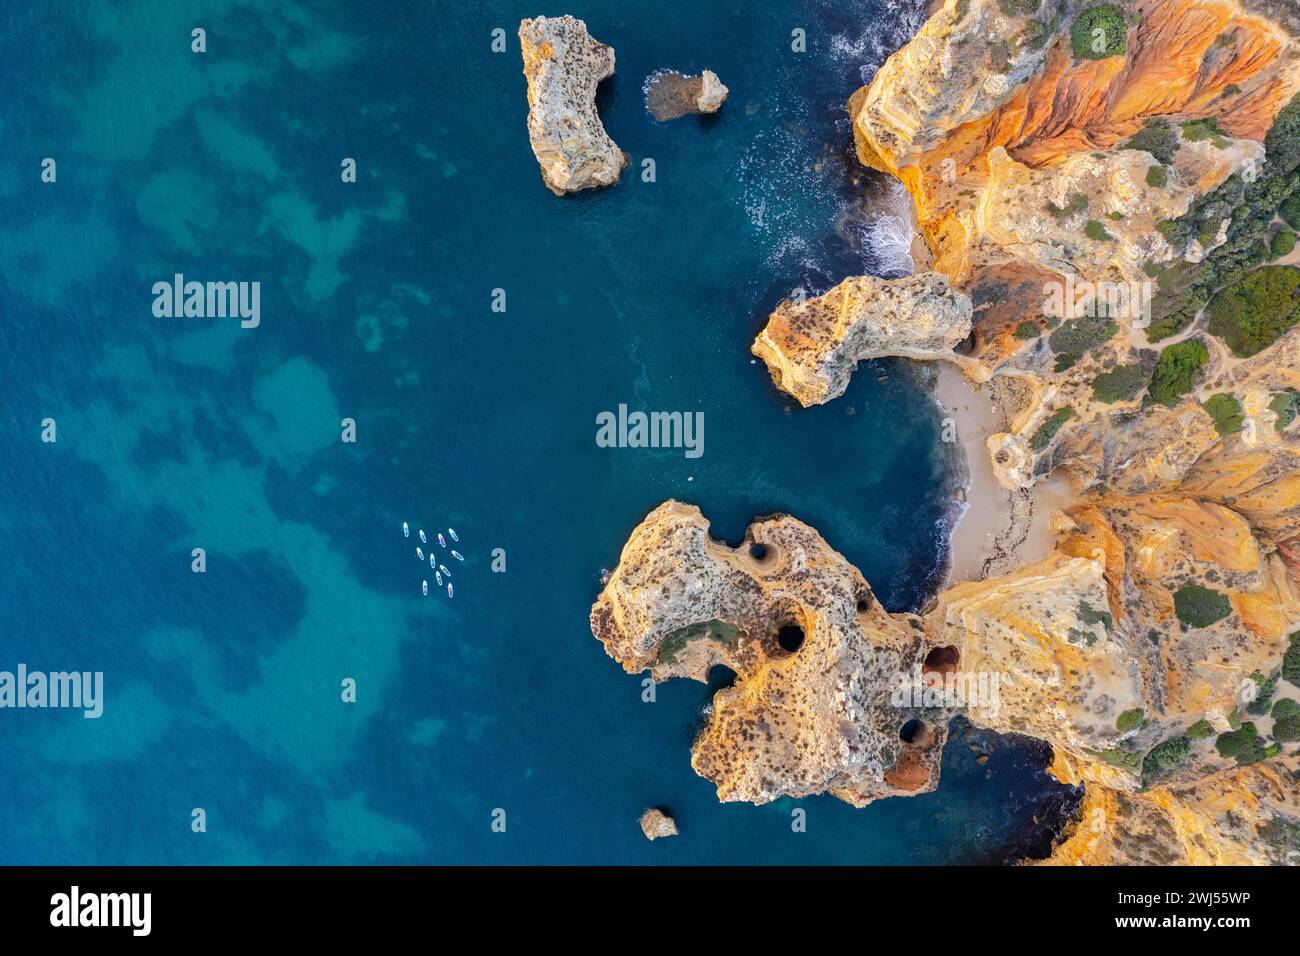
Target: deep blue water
(223,688)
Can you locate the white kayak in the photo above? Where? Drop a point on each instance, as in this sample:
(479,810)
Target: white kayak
(423,539)
(424,588)
(406,530)
(442,542)
(438,575)
(450,592)
(458,556)
(452,532)
(419,553)
(443,569)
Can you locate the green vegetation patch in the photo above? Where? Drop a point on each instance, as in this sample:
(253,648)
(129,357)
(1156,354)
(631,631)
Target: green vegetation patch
(1226,412)
(1167,756)
(676,642)
(1078,202)
(1254,311)
(1120,384)
(1157,177)
(1264,690)
(1282,243)
(1285,405)
(1095,231)
(1290,212)
(1047,431)
(1099,32)
(1291,661)
(1200,730)
(1244,744)
(1177,370)
(1134,719)
(1198,606)
(1027,330)
(1082,335)
(1014,8)
(1198,130)
(1286,720)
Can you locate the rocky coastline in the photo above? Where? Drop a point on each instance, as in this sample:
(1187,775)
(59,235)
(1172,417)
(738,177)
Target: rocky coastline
(1102,188)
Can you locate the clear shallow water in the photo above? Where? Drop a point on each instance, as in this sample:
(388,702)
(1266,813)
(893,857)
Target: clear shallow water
(223,688)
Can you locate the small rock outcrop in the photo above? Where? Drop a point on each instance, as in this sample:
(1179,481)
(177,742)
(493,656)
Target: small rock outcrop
(812,347)
(655,823)
(669,94)
(563,66)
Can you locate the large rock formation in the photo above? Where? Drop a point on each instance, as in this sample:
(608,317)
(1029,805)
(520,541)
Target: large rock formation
(976,80)
(815,656)
(812,347)
(563,65)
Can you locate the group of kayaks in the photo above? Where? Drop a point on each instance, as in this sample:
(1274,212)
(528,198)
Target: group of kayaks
(439,570)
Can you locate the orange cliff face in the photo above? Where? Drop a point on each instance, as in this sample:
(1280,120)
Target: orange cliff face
(934,114)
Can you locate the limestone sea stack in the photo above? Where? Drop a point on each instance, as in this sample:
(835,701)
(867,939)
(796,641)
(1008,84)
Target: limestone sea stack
(812,347)
(563,66)
(815,657)
(669,94)
(655,823)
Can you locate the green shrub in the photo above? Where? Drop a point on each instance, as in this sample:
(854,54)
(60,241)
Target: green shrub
(1133,719)
(1244,744)
(1167,756)
(1119,757)
(1286,720)
(1198,606)
(1157,177)
(1200,730)
(1120,384)
(1226,412)
(1177,369)
(1065,361)
(1285,405)
(1047,431)
(1282,243)
(1291,661)
(1077,202)
(1290,212)
(1264,689)
(1099,32)
(1095,231)
(1027,330)
(1194,131)
(1250,314)
(1157,138)
(1082,335)
(1285,707)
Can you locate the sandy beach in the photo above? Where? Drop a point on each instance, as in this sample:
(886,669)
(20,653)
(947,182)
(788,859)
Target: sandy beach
(999,529)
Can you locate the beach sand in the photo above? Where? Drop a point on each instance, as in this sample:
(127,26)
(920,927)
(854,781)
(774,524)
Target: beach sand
(998,530)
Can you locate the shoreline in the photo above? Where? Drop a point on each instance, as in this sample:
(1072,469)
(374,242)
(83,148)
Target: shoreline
(993,530)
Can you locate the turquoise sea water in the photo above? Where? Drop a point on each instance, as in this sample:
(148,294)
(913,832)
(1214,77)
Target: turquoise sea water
(223,688)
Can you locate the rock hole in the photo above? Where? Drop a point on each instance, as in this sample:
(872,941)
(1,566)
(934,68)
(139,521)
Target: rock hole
(864,602)
(913,731)
(942,660)
(790,637)
(758,552)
